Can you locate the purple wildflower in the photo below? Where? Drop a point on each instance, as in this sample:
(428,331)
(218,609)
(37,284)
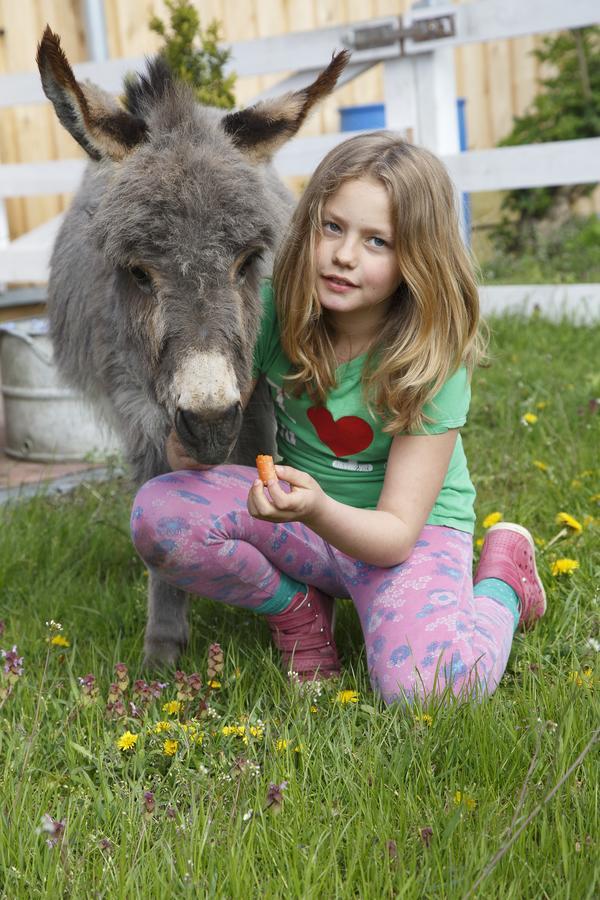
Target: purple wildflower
(114,692)
(149,803)
(194,682)
(53,827)
(105,844)
(275,796)
(122,673)
(89,689)
(116,710)
(157,687)
(426,835)
(391,850)
(215,661)
(13,663)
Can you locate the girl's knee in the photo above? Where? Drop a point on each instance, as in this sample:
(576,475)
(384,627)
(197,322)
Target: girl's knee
(157,526)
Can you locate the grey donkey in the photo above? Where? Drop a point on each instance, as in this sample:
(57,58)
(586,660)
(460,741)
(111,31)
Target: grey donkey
(153,297)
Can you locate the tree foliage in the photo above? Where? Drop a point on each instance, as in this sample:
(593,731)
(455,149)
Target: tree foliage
(567,108)
(203,66)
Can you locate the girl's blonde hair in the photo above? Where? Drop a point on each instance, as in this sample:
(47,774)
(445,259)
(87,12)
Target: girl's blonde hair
(431,328)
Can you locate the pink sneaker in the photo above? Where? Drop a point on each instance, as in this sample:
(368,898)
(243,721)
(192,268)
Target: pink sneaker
(304,634)
(509,554)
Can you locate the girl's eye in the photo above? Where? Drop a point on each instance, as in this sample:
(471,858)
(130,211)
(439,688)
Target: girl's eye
(379,242)
(141,278)
(331,227)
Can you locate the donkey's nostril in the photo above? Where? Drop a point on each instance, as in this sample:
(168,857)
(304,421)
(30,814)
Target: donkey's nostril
(233,413)
(186,422)
(190,424)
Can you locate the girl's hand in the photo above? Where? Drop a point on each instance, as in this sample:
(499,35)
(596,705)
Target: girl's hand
(300,504)
(177,456)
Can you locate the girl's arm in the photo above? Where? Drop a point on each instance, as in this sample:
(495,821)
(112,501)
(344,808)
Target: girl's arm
(385,536)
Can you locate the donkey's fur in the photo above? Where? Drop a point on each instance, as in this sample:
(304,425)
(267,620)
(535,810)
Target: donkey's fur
(153,297)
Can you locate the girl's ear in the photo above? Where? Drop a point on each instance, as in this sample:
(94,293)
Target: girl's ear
(262,129)
(93,117)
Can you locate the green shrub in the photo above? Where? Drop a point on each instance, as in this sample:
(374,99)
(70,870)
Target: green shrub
(567,253)
(202,68)
(567,108)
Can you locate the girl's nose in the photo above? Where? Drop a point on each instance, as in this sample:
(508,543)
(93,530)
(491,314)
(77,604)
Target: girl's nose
(345,253)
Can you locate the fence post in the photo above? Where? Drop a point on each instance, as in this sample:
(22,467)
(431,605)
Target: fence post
(400,97)
(4,235)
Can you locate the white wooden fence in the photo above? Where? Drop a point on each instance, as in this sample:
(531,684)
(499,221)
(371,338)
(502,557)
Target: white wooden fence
(420,100)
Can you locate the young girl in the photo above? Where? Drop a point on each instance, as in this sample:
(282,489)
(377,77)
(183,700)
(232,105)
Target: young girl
(369,337)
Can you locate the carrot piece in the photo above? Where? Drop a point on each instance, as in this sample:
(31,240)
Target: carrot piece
(266,468)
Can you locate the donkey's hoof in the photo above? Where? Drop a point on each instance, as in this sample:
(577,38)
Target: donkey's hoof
(161,653)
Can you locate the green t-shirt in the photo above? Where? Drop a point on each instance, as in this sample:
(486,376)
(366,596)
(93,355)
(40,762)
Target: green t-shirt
(342,444)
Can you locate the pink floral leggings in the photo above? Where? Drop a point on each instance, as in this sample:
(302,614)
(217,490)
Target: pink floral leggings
(422,626)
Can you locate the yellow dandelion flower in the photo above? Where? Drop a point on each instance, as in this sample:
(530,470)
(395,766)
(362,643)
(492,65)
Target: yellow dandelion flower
(479,543)
(282,745)
(564,566)
(161,726)
(215,685)
(541,404)
(585,677)
(461,799)
(170,747)
(257,731)
(59,641)
(347,697)
(542,466)
(425,718)
(238,730)
(314,709)
(564,518)
(529,418)
(492,519)
(127,741)
(172,707)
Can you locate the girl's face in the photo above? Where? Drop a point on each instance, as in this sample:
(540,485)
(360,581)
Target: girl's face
(355,254)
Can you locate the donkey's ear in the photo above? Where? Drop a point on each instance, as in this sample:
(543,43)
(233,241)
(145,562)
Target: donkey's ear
(262,129)
(93,117)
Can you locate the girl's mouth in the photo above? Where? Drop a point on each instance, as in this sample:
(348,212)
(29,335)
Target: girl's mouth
(339,285)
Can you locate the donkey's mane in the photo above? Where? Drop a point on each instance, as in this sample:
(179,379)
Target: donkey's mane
(144,91)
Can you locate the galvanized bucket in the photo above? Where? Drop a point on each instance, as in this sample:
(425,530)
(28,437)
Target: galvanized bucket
(45,421)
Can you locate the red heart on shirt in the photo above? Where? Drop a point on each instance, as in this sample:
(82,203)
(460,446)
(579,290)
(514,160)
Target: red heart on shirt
(344,436)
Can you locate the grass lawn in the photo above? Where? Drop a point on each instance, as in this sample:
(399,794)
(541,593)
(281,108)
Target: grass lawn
(372,802)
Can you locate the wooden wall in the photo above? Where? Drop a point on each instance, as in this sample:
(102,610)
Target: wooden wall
(497,79)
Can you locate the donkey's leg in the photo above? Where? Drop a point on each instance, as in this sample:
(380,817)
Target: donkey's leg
(167,628)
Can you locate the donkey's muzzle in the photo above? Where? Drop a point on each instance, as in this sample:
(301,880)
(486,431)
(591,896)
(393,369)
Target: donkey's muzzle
(209,434)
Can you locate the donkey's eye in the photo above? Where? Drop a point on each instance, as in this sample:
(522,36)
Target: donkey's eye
(141,278)
(248,262)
